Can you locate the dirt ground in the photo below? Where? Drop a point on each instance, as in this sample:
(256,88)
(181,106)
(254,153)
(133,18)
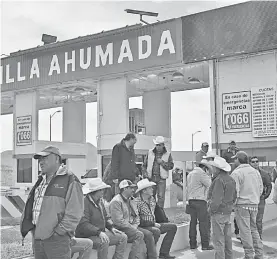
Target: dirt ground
(11,238)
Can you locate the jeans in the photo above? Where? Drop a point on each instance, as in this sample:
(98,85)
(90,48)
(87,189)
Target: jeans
(222,236)
(135,236)
(81,248)
(159,189)
(150,243)
(119,240)
(199,212)
(170,230)
(260,216)
(251,242)
(236,227)
(54,247)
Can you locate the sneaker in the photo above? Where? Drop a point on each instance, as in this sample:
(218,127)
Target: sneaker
(193,247)
(238,237)
(210,247)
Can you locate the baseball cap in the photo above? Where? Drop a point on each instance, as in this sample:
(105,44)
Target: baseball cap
(241,155)
(232,142)
(205,144)
(47,151)
(126,183)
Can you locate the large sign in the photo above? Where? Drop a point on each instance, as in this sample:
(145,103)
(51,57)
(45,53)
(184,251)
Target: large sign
(24,130)
(264,110)
(236,112)
(94,56)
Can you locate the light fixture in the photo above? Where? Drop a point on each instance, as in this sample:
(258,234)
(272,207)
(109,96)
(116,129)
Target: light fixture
(47,39)
(177,75)
(141,13)
(79,89)
(193,80)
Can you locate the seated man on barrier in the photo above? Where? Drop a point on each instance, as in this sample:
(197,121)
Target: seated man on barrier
(96,225)
(124,213)
(146,209)
(81,248)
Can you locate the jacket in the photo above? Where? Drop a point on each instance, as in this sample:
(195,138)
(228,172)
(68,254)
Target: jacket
(222,194)
(146,212)
(94,220)
(249,185)
(166,165)
(198,184)
(199,156)
(267,186)
(228,154)
(61,209)
(123,163)
(124,212)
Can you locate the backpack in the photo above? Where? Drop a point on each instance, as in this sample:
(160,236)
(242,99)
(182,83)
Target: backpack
(160,215)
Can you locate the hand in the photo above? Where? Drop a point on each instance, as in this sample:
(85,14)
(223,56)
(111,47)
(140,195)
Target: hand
(157,225)
(159,161)
(114,231)
(115,180)
(104,238)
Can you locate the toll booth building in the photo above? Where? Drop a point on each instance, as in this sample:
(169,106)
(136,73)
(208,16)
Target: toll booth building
(231,50)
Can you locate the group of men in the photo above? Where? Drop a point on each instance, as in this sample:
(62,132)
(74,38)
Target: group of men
(216,187)
(66,218)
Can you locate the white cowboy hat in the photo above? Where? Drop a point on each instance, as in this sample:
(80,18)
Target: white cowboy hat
(210,154)
(205,163)
(93,185)
(159,140)
(220,163)
(144,183)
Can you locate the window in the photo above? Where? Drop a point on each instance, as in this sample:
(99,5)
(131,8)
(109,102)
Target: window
(24,170)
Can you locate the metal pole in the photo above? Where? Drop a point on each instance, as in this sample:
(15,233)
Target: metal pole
(192,142)
(50,126)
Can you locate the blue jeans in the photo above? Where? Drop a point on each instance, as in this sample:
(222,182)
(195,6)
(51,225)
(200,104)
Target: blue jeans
(222,236)
(54,247)
(250,238)
(159,189)
(260,216)
(81,248)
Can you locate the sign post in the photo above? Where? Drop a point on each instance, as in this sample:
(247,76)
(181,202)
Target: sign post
(24,130)
(236,112)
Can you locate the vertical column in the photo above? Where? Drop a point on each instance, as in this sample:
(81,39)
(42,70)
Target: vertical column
(74,122)
(112,115)
(25,120)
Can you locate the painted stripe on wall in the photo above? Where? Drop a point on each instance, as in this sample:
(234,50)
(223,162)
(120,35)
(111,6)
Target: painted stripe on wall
(10,208)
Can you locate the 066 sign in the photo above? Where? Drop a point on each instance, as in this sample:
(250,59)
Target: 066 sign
(237,121)
(24,130)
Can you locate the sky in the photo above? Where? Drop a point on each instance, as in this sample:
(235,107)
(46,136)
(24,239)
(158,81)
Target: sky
(23,23)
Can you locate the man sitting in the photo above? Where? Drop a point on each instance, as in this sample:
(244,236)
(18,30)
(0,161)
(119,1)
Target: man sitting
(146,207)
(95,221)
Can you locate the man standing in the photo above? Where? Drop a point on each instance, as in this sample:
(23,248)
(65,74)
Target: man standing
(230,153)
(96,225)
(146,208)
(54,207)
(254,162)
(221,198)
(203,152)
(249,187)
(198,184)
(124,214)
(124,159)
(157,164)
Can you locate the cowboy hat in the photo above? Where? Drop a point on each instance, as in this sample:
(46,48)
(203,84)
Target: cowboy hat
(220,163)
(159,140)
(93,185)
(210,154)
(205,163)
(144,183)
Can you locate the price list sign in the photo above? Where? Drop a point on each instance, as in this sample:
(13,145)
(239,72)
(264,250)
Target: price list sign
(236,112)
(24,130)
(264,111)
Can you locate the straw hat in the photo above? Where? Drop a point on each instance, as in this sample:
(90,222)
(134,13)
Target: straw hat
(159,140)
(93,185)
(144,183)
(220,163)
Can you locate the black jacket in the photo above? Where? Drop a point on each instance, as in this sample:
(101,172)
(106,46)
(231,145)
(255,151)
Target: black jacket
(266,182)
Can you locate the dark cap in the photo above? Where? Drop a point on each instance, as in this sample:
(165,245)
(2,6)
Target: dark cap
(125,184)
(232,142)
(241,155)
(47,151)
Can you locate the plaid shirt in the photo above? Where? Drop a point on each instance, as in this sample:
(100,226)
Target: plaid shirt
(39,194)
(146,211)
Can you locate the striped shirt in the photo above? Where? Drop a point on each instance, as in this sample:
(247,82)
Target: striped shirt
(146,211)
(39,194)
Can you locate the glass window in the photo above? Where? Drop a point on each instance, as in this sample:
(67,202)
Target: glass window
(24,170)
